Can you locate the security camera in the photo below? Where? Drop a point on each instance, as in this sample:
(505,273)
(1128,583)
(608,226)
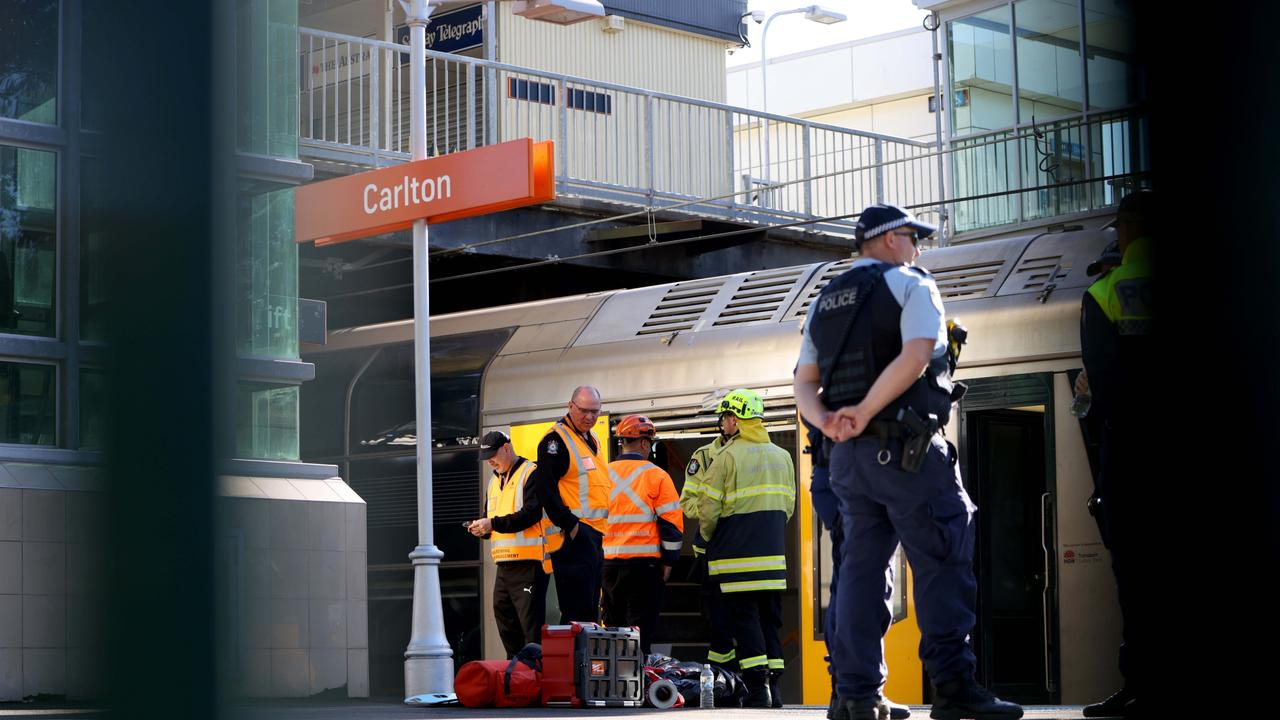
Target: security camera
(758,16)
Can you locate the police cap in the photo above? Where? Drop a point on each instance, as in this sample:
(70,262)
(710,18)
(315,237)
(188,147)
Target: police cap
(882,217)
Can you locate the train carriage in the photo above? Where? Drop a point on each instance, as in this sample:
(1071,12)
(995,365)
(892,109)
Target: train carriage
(1048,623)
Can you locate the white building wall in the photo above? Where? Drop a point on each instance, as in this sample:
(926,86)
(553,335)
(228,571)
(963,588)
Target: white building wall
(641,55)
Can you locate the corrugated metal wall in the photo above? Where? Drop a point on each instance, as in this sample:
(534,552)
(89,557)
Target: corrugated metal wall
(642,55)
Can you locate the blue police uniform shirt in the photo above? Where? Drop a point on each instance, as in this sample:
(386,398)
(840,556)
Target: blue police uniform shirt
(921,310)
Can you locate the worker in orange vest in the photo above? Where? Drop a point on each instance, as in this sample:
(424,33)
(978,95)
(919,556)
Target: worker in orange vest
(644,535)
(572,482)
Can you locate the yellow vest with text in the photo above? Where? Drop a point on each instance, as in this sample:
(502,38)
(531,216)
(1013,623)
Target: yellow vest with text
(1124,293)
(527,544)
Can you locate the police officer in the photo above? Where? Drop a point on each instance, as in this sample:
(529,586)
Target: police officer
(572,482)
(1116,344)
(826,507)
(514,524)
(876,344)
(720,651)
(748,495)
(644,535)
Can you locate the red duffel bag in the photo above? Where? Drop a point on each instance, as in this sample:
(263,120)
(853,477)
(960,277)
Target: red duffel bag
(502,683)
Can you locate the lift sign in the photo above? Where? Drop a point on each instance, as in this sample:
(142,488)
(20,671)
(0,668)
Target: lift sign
(440,189)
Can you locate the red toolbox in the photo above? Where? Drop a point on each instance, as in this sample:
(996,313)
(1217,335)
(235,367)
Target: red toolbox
(585,665)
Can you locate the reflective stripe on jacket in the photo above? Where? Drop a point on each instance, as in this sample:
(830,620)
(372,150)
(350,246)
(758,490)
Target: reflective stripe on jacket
(749,494)
(642,493)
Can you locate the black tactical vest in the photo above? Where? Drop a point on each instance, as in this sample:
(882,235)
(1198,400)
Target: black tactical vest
(856,329)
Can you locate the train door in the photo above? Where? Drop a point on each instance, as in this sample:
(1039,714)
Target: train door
(1007,434)
(683,629)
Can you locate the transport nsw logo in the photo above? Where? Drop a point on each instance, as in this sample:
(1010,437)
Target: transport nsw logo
(450,187)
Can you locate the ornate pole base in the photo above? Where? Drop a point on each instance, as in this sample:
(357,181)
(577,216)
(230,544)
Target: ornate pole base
(428,661)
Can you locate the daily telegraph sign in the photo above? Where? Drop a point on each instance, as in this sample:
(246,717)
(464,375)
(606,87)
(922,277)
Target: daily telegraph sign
(440,189)
(449,32)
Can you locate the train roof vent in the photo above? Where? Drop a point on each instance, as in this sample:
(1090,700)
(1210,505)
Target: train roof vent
(1033,272)
(681,307)
(815,287)
(964,282)
(759,296)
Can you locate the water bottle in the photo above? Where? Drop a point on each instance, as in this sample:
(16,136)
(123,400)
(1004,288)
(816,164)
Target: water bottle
(1080,405)
(706,688)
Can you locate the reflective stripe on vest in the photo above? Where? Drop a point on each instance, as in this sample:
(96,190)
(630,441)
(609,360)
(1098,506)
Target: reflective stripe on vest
(633,523)
(506,499)
(591,507)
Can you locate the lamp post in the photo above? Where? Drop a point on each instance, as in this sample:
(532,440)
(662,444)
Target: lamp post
(428,660)
(812,13)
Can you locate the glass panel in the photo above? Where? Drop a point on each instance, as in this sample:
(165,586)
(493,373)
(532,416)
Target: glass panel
(93,257)
(1110,53)
(983,165)
(981,57)
(267,56)
(267,276)
(28,404)
(1118,151)
(267,422)
(93,405)
(28,231)
(1054,155)
(383,409)
(1049,82)
(29,60)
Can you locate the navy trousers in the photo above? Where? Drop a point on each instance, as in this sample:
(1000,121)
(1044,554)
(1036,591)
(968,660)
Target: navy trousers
(577,568)
(932,516)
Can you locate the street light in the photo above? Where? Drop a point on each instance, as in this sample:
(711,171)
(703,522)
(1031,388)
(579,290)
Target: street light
(813,13)
(560,12)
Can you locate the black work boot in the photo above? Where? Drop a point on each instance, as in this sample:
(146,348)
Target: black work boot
(869,709)
(1113,706)
(757,682)
(775,689)
(896,711)
(965,698)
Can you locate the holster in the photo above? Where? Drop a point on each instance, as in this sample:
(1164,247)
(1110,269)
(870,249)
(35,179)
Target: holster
(916,436)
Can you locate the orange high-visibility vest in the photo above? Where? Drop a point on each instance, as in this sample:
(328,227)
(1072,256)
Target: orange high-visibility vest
(584,487)
(642,492)
(527,544)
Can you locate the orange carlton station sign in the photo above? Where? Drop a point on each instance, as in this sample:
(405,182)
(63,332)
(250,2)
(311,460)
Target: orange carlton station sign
(450,187)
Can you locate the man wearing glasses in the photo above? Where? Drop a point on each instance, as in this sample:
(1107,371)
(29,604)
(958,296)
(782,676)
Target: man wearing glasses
(572,482)
(874,375)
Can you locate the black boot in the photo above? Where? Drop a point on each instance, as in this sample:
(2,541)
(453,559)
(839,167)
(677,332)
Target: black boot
(835,708)
(896,711)
(965,698)
(1113,706)
(775,689)
(757,682)
(869,709)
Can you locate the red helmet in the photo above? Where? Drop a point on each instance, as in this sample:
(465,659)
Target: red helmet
(635,426)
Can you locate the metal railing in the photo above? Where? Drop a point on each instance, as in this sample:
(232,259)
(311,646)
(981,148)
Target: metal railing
(650,149)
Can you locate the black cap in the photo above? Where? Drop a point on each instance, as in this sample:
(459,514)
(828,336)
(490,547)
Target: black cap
(1137,206)
(1110,256)
(881,218)
(491,443)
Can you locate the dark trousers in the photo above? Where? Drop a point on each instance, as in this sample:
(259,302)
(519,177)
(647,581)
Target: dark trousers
(932,515)
(1118,519)
(830,623)
(632,596)
(720,650)
(577,567)
(754,619)
(519,603)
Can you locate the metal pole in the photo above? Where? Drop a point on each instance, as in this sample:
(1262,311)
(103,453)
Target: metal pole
(428,665)
(939,108)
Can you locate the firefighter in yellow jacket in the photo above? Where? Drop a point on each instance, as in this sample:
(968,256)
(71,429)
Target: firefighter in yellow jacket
(645,533)
(515,525)
(748,496)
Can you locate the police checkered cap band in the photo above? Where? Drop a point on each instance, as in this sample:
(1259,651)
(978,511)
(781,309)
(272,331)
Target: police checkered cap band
(881,218)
